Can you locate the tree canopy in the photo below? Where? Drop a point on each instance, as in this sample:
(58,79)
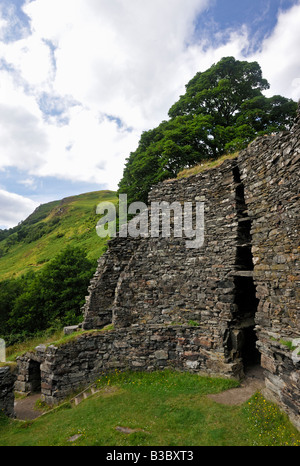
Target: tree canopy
(51,298)
(222,111)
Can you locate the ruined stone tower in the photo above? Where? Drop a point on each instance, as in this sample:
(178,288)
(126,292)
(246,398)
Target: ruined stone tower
(215,309)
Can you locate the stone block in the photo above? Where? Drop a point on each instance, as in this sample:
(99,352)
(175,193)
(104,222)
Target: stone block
(192,365)
(268,363)
(161,354)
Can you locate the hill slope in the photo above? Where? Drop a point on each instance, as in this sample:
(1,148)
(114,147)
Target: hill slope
(49,229)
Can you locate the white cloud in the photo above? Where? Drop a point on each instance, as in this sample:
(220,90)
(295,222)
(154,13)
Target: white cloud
(124,58)
(91,60)
(86,61)
(88,148)
(29,183)
(23,138)
(31,58)
(279,55)
(3,27)
(14,208)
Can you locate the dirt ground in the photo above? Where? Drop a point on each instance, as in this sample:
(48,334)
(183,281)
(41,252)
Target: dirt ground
(253,382)
(24,407)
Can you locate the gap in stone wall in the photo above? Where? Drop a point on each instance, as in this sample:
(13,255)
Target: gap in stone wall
(243,332)
(34,376)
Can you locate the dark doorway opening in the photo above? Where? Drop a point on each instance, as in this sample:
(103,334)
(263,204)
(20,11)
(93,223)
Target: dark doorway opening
(246,306)
(34,376)
(245,290)
(249,353)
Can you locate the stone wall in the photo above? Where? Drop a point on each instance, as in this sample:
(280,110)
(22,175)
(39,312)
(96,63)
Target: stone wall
(162,282)
(270,174)
(8,376)
(97,310)
(29,378)
(171,306)
(169,283)
(73,365)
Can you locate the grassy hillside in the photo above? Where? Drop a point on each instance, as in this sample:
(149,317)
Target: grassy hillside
(49,229)
(161,408)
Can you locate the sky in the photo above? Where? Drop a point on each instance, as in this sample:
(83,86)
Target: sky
(80,80)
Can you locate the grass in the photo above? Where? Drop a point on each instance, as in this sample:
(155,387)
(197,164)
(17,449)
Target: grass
(164,408)
(48,337)
(206,165)
(269,424)
(75,221)
(45,338)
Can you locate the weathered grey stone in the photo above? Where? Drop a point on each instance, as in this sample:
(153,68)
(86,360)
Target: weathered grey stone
(8,376)
(161,354)
(71,329)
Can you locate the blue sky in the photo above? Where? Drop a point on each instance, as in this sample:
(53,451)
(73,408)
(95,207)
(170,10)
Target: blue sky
(80,80)
(260,16)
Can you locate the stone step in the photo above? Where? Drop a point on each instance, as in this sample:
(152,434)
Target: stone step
(77,399)
(89,391)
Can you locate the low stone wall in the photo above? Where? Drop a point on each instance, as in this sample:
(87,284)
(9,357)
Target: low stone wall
(73,365)
(282,376)
(7,380)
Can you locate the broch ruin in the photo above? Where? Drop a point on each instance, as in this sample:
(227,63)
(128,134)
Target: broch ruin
(213,310)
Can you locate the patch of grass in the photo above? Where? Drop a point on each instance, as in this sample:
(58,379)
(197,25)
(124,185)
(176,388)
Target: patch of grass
(206,165)
(11,365)
(288,344)
(45,338)
(166,408)
(75,335)
(193,323)
(166,381)
(268,425)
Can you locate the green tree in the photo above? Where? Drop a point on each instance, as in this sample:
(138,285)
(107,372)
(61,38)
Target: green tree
(51,298)
(222,110)
(27,316)
(221,90)
(9,291)
(64,283)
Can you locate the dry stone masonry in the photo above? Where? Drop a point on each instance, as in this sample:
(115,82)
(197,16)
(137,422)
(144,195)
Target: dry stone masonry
(212,310)
(270,173)
(8,375)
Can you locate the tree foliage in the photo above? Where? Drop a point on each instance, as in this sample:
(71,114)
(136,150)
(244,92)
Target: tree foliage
(51,298)
(222,110)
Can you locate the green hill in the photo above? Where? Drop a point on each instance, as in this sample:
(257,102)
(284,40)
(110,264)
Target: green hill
(49,229)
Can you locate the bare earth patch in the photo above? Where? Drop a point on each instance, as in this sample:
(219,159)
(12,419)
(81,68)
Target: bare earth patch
(25,408)
(253,382)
